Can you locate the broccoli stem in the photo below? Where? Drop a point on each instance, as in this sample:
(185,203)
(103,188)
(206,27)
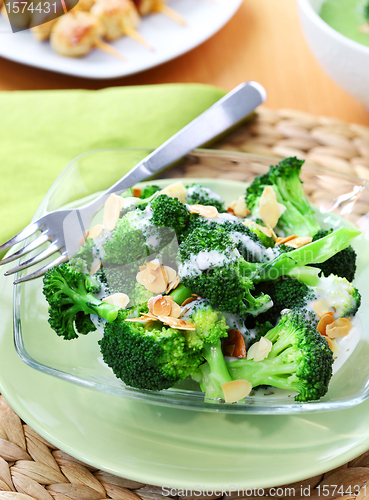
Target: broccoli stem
(180,294)
(265,372)
(88,303)
(216,372)
(314,253)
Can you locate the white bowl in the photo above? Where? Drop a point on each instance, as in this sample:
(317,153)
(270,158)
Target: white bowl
(345,61)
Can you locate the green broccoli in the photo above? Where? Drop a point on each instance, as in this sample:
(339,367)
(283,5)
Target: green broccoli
(69,293)
(284,178)
(342,264)
(200,195)
(87,253)
(169,213)
(212,267)
(366,12)
(154,357)
(300,360)
(148,191)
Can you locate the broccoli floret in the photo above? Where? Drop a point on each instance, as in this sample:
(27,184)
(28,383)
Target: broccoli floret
(169,213)
(70,296)
(284,178)
(340,294)
(366,12)
(300,360)
(210,325)
(151,358)
(212,267)
(267,241)
(342,264)
(148,191)
(87,253)
(200,195)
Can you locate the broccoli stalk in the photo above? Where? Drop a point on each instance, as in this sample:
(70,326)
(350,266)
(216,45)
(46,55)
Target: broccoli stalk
(300,360)
(212,267)
(69,293)
(284,178)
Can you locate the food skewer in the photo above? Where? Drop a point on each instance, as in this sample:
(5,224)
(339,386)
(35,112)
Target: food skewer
(119,18)
(75,34)
(146,7)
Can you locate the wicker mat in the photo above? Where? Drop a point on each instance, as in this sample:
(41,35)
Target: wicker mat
(32,469)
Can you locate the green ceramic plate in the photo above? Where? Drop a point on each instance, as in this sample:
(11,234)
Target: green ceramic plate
(176,447)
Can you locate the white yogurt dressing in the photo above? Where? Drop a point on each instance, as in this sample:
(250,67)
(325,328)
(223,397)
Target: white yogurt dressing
(201,190)
(205,260)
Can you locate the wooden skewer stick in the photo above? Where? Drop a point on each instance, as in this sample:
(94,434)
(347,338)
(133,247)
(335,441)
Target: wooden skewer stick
(105,47)
(135,35)
(164,9)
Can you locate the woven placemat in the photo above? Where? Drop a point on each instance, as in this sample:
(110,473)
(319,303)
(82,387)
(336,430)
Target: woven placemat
(32,469)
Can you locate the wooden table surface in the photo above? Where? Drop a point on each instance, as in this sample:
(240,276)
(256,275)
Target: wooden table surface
(263,42)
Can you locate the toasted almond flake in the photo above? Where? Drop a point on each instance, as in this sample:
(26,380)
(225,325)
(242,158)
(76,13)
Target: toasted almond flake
(141,275)
(299,242)
(325,320)
(140,320)
(268,231)
(252,350)
(234,344)
(176,311)
(95,267)
(332,345)
(153,264)
(179,324)
(339,328)
(283,241)
(236,390)
(188,301)
(230,209)
(172,285)
(117,299)
(161,306)
(96,231)
(206,211)
(149,278)
(263,350)
(240,208)
(176,190)
(111,212)
(273,235)
(171,273)
(269,207)
(321,307)
(136,192)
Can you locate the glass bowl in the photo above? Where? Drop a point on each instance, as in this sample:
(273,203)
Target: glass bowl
(339,200)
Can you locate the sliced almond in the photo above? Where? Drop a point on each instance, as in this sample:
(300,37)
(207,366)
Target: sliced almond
(260,350)
(149,277)
(240,209)
(171,273)
(332,345)
(339,328)
(176,190)
(268,231)
(96,231)
(136,192)
(283,241)
(269,208)
(160,306)
(120,300)
(142,320)
(234,344)
(176,310)
(206,211)
(325,320)
(173,284)
(153,264)
(263,350)
(236,390)
(179,324)
(299,242)
(321,307)
(111,212)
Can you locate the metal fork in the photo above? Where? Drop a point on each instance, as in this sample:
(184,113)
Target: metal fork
(65,229)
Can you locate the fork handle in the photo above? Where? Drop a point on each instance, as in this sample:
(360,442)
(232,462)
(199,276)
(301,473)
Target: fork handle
(227,112)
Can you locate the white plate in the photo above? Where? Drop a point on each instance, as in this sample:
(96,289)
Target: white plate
(204,18)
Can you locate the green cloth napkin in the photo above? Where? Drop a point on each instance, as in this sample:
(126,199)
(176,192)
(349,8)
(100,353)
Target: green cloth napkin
(41,131)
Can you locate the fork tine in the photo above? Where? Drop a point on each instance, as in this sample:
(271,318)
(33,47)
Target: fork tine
(54,247)
(27,231)
(40,272)
(28,248)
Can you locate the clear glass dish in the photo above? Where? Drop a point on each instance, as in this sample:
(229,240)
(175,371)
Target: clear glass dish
(339,200)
